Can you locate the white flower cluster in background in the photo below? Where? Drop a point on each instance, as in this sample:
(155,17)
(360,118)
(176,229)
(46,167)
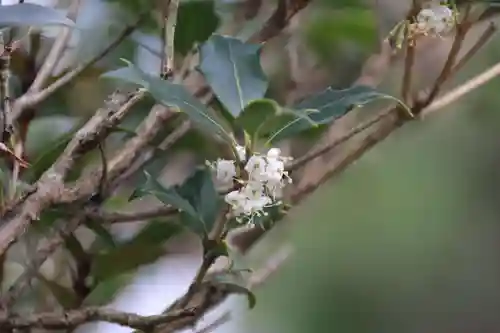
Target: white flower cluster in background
(263,188)
(435,19)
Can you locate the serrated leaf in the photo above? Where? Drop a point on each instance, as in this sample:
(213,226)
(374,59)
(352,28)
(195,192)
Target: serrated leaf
(328,106)
(173,95)
(263,117)
(233,71)
(106,290)
(29,14)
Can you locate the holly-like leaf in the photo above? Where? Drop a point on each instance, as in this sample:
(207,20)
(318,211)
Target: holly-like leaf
(233,71)
(173,95)
(263,117)
(328,106)
(29,14)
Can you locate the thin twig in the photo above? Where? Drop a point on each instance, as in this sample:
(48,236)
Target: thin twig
(56,51)
(50,186)
(34,97)
(480,43)
(461,31)
(410,53)
(226,316)
(462,90)
(121,217)
(170,23)
(54,320)
(301,161)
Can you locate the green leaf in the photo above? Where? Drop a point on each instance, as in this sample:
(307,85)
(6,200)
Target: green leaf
(196,199)
(200,191)
(100,230)
(28,14)
(106,290)
(46,139)
(190,28)
(263,117)
(173,95)
(64,296)
(328,106)
(168,196)
(45,132)
(125,259)
(146,247)
(233,71)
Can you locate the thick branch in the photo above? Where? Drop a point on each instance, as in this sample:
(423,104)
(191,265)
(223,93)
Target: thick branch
(54,320)
(50,187)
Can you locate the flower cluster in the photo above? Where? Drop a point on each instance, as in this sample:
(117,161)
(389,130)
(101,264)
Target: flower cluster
(436,19)
(265,178)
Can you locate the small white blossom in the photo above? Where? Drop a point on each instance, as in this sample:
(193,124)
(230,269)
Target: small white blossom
(242,153)
(436,19)
(262,188)
(256,168)
(226,170)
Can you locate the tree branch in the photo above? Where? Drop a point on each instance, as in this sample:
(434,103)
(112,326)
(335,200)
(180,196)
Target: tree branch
(54,320)
(56,51)
(33,97)
(50,187)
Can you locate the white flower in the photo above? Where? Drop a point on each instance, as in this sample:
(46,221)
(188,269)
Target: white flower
(262,188)
(242,153)
(226,170)
(248,202)
(436,19)
(256,168)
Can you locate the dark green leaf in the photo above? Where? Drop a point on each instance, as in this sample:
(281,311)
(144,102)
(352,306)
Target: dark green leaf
(125,259)
(76,249)
(196,21)
(173,95)
(45,132)
(106,290)
(156,232)
(233,71)
(28,14)
(200,191)
(168,196)
(102,232)
(46,139)
(263,117)
(146,247)
(327,106)
(64,296)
